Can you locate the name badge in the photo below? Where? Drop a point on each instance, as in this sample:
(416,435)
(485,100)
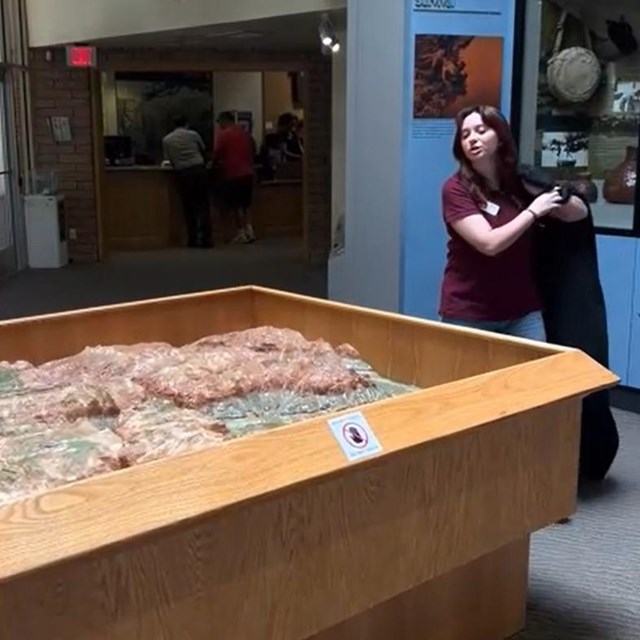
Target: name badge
(491,208)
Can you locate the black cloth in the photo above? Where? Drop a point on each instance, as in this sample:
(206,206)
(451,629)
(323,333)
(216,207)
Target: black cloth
(236,193)
(574,312)
(193,186)
(566,268)
(621,34)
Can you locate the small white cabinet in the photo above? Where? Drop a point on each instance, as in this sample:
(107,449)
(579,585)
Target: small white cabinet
(46,231)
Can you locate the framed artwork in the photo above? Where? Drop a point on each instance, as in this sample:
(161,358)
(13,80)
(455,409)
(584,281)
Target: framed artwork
(565,149)
(453,72)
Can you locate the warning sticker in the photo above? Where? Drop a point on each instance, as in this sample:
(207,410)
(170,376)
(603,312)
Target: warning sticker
(355,436)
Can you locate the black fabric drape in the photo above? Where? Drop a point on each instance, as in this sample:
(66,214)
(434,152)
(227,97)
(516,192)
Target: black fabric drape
(566,268)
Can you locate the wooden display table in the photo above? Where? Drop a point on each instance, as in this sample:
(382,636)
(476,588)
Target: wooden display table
(278,536)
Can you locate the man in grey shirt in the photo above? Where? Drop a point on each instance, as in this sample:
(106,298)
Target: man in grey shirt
(184,149)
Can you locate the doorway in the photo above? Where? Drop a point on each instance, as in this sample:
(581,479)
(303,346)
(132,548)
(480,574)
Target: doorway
(141,208)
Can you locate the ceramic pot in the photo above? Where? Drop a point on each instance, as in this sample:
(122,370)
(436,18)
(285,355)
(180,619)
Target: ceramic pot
(585,186)
(620,182)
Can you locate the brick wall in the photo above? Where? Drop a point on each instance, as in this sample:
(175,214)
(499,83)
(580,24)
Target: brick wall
(59,91)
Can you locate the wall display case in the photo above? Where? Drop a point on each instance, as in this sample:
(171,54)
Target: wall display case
(279,535)
(588,105)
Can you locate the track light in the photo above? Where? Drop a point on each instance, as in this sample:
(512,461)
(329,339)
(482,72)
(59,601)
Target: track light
(328,37)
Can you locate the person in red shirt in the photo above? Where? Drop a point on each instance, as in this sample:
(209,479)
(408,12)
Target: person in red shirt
(233,156)
(489,280)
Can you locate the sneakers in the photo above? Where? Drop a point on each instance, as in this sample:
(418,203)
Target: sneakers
(241,238)
(245,236)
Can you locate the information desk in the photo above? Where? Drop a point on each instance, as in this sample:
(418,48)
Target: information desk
(142,209)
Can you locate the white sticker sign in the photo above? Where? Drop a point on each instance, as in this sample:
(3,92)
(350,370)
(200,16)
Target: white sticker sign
(355,436)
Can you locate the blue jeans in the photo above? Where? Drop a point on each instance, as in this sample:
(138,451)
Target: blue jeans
(530,326)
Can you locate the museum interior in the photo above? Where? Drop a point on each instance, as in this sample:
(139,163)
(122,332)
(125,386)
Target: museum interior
(231,403)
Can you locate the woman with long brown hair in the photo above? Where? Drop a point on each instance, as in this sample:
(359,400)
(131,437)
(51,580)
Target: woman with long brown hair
(488,280)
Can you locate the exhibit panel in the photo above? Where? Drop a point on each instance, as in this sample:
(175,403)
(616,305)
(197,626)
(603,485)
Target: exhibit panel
(457,54)
(220,542)
(617,264)
(634,350)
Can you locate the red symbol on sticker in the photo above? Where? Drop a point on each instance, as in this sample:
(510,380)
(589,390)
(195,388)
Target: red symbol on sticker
(355,435)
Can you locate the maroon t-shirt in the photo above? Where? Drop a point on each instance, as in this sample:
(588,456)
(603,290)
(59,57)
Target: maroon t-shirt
(480,287)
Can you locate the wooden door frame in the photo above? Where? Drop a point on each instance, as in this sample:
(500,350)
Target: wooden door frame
(114,65)
(97,137)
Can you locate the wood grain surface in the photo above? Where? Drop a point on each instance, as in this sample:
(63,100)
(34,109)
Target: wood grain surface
(182,319)
(413,351)
(311,557)
(482,600)
(176,319)
(142,209)
(276,536)
(80,515)
(138,208)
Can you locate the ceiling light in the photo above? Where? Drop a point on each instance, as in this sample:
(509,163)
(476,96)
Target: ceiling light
(328,37)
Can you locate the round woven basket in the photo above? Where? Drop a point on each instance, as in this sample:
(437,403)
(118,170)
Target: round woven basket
(573,74)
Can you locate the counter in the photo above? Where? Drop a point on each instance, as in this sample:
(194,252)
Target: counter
(142,209)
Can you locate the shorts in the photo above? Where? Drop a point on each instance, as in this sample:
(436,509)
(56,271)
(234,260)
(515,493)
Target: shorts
(236,193)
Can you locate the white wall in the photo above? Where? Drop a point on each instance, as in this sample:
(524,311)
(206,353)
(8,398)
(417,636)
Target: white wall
(240,91)
(338,134)
(54,22)
(368,271)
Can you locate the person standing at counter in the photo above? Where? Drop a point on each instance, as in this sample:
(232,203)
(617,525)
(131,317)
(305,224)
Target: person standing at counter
(233,157)
(184,150)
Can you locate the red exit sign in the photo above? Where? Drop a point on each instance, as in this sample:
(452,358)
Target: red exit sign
(81,57)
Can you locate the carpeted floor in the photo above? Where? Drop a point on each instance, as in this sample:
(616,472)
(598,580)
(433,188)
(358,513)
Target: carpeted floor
(277,263)
(585,576)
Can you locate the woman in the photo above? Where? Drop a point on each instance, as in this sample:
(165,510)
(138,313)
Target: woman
(488,279)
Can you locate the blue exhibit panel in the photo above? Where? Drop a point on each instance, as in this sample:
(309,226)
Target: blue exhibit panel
(617,264)
(481,33)
(634,348)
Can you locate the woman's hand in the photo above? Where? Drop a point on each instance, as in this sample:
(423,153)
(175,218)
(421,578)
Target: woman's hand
(572,211)
(546,202)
